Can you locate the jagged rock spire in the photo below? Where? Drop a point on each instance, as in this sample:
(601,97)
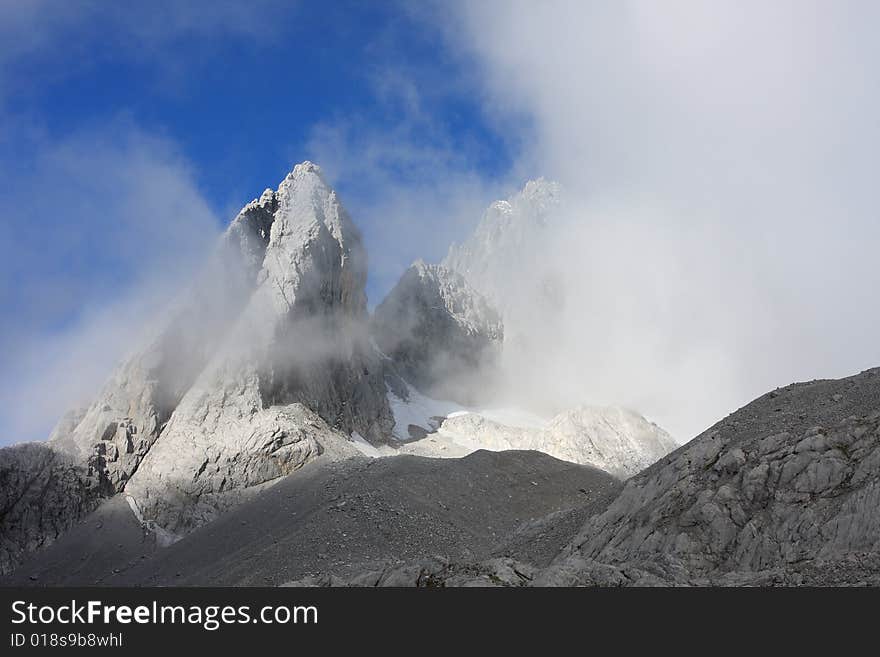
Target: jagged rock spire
(262,360)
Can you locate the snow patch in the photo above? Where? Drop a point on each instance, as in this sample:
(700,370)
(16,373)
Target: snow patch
(613,439)
(419,411)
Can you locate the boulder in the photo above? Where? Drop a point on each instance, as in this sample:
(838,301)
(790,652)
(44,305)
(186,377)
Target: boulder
(43,492)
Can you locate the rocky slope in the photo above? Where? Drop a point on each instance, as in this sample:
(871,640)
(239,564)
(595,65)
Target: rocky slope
(343,516)
(786,489)
(783,492)
(42,494)
(441,335)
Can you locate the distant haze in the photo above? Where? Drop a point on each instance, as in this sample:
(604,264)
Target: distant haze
(720,161)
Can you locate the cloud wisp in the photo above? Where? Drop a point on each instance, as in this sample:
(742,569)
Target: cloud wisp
(718,160)
(122,226)
(406,177)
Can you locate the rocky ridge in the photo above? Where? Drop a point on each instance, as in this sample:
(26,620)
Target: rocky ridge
(782,492)
(616,440)
(294,372)
(440,334)
(788,482)
(261,364)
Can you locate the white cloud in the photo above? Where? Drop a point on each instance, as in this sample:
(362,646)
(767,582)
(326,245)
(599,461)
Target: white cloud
(64,37)
(411,185)
(721,157)
(121,225)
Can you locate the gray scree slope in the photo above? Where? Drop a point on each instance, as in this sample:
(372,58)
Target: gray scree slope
(344,516)
(785,491)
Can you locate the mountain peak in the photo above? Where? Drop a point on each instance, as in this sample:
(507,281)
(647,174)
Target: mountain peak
(504,236)
(304,168)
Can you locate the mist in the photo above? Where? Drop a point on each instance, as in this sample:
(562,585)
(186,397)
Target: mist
(122,229)
(718,163)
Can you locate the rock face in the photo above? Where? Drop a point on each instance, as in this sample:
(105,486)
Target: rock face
(294,371)
(125,420)
(42,494)
(510,260)
(613,439)
(785,490)
(264,361)
(441,335)
(500,259)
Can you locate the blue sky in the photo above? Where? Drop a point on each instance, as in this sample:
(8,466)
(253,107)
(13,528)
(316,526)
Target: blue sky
(719,161)
(131,133)
(241,103)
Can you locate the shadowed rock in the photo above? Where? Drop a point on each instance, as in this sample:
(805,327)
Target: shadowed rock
(441,335)
(42,493)
(767,495)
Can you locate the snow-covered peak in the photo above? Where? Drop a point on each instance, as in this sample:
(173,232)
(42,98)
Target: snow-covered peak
(506,227)
(303,168)
(533,205)
(305,180)
(501,258)
(538,198)
(266,197)
(305,202)
(421,267)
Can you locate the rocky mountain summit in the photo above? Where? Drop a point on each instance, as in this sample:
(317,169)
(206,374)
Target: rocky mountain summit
(497,253)
(263,362)
(443,318)
(237,436)
(294,371)
(268,359)
(441,335)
